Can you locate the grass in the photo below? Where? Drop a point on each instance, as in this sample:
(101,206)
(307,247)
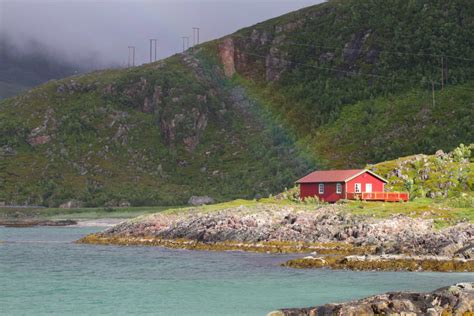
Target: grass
(439,210)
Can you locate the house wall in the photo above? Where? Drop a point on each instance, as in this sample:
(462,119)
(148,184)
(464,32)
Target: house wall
(363,179)
(329,195)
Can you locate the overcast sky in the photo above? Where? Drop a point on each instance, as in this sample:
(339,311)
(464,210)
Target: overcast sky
(82,28)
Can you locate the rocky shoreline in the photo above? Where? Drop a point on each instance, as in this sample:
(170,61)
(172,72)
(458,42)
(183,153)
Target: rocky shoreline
(36,222)
(457,299)
(329,234)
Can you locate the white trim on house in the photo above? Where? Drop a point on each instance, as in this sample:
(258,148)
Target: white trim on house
(364,171)
(321,188)
(338,188)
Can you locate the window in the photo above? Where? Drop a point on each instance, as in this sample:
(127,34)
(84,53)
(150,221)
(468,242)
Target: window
(321,188)
(338,188)
(368,187)
(358,188)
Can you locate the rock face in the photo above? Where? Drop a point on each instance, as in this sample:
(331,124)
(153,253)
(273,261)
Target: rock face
(226,53)
(200,200)
(453,300)
(397,235)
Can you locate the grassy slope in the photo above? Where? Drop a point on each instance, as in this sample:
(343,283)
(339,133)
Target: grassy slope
(344,92)
(104,148)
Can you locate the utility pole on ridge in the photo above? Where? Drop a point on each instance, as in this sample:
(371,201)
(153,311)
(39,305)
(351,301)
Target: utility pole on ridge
(153,42)
(131,56)
(196,36)
(185,42)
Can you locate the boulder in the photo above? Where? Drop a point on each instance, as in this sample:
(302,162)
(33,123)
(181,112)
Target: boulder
(200,200)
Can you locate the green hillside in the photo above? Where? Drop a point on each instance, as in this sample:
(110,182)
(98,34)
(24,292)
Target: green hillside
(340,84)
(155,134)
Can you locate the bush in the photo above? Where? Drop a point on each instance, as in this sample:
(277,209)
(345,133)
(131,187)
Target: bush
(462,152)
(462,201)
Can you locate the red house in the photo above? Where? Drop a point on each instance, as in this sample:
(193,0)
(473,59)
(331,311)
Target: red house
(333,185)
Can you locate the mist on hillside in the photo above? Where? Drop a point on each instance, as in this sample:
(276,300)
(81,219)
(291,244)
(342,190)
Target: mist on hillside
(98,33)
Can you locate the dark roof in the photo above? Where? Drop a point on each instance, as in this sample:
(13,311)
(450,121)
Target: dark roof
(335,176)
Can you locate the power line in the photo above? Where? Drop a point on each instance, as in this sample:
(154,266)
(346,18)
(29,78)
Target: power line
(349,72)
(360,49)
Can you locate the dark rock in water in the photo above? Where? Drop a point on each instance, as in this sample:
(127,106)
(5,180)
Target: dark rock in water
(200,200)
(457,299)
(35,222)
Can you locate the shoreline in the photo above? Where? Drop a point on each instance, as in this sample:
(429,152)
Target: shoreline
(336,256)
(334,239)
(33,222)
(457,299)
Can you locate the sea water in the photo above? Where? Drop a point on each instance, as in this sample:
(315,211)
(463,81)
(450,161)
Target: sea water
(42,272)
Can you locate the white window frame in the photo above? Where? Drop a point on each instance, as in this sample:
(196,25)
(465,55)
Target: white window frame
(321,188)
(338,188)
(358,185)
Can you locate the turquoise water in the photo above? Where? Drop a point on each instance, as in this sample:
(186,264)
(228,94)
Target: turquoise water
(43,272)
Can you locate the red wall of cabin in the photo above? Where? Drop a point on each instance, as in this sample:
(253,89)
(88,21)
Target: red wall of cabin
(363,179)
(329,195)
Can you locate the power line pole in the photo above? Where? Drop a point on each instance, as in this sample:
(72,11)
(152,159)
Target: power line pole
(446,76)
(196,36)
(131,56)
(442,73)
(185,42)
(433,93)
(153,43)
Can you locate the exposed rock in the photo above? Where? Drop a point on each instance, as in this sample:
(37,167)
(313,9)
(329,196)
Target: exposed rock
(39,140)
(453,300)
(200,200)
(153,102)
(352,49)
(40,135)
(7,150)
(396,235)
(73,86)
(226,53)
(466,252)
(289,27)
(275,64)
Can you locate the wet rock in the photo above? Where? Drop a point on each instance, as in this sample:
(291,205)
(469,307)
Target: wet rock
(454,300)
